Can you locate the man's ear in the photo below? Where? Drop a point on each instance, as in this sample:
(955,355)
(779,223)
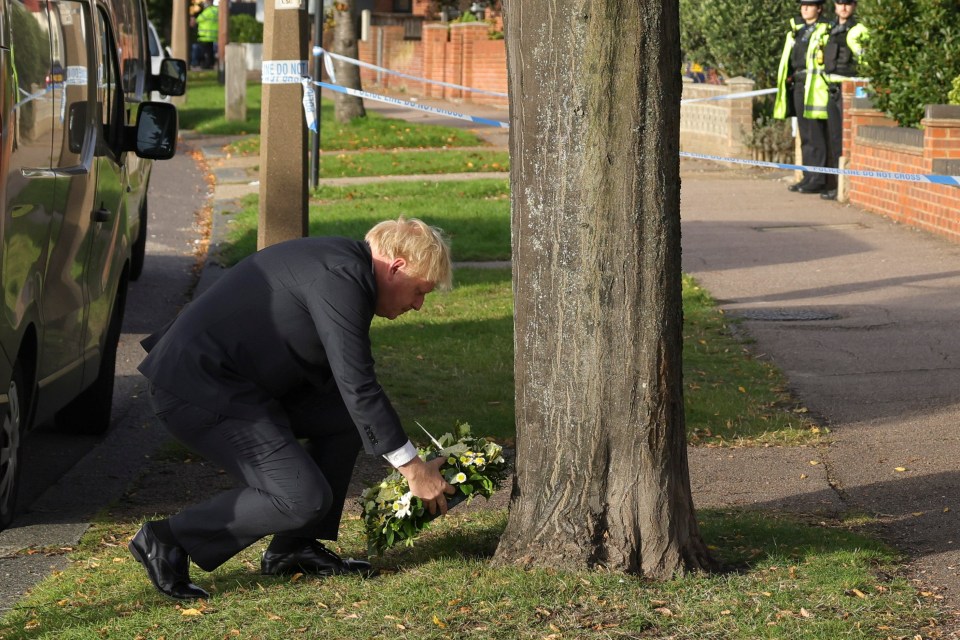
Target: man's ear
(396,265)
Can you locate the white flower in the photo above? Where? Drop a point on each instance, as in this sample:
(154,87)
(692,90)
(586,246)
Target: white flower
(460,477)
(402,506)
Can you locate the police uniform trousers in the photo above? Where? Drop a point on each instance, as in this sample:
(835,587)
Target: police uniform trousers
(292,489)
(834,131)
(813,141)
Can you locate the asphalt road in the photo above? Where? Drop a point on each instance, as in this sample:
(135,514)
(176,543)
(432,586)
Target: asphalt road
(66,477)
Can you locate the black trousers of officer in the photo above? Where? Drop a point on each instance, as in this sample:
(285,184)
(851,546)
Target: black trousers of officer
(813,142)
(291,489)
(834,132)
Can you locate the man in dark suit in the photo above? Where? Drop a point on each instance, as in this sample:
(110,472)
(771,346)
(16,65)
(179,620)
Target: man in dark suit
(276,351)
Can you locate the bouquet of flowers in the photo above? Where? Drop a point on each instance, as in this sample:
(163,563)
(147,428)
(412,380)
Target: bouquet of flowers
(391,514)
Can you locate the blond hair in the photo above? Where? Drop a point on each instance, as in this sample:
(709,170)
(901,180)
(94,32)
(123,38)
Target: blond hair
(425,248)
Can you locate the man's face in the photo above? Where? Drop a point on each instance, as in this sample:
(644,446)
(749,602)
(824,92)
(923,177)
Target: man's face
(845,10)
(399,292)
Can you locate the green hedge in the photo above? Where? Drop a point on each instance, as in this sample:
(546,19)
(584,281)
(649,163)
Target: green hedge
(739,38)
(245,28)
(913,55)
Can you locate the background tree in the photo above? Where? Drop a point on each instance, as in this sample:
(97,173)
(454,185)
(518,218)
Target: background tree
(737,37)
(345,107)
(907,71)
(601,474)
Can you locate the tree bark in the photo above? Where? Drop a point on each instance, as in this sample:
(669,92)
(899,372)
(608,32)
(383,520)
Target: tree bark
(346,107)
(601,477)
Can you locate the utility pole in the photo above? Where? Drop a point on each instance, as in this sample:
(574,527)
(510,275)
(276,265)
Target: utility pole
(223,37)
(179,39)
(283,130)
(179,34)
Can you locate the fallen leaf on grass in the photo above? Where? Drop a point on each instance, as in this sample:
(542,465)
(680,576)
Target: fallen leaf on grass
(664,611)
(191,612)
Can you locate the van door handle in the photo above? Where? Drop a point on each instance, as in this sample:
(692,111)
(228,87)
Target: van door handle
(101,215)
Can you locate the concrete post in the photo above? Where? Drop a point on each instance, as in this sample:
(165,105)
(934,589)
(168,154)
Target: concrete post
(235,109)
(283,131)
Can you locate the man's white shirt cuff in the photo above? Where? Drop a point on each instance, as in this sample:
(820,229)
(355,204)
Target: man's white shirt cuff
(401,456)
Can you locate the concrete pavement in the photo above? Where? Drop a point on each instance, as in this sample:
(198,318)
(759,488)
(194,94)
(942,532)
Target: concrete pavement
(861,315)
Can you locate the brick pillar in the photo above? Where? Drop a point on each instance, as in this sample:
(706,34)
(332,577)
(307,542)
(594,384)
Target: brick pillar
(435,37)
(941,139)
(453,71)
(470,33)
(739,116)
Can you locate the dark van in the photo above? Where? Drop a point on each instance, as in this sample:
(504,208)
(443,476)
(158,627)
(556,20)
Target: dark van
(77,139)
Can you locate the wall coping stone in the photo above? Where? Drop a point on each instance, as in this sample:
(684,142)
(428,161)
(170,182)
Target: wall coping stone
(943,112)
(902,136)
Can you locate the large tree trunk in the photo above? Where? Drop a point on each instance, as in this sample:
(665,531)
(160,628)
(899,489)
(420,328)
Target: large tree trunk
(601,477)
(346,108)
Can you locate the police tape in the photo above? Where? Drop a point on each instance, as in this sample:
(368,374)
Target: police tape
(411,105)
(857,173)
(329,54)
(933,178)
(730,96)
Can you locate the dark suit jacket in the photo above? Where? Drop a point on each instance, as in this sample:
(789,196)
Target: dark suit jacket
(289,318)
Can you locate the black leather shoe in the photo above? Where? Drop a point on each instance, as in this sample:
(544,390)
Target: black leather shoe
(830,194)
(809,190)
(167,565)
(797,186)
(314,559)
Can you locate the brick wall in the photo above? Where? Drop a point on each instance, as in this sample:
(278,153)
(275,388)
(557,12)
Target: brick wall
(873,142)
(463,54)
(716,127)
(460,54)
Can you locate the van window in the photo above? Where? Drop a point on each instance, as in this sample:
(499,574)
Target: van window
(32,66)
(69,37)
(131,45)
(110,97)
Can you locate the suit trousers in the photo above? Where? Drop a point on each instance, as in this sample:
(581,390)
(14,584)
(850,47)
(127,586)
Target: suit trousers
(290,488)
(813,141)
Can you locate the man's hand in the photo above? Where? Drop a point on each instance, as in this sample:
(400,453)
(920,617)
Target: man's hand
(427,484)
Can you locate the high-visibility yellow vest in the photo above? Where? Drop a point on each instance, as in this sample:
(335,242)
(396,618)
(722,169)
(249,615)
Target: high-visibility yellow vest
(208,24)
(815,90)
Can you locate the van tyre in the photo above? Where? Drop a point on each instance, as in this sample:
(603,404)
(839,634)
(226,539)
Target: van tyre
(10,433)
(138,252)
(89,413)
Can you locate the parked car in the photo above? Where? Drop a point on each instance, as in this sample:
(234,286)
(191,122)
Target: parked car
(76,144)
(158,53)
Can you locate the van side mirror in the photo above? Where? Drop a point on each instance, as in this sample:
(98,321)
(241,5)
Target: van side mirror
(172,79)
(155,133)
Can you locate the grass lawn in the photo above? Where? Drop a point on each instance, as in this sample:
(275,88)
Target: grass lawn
(203,112)
(461,344)
(784,577)
(787,579)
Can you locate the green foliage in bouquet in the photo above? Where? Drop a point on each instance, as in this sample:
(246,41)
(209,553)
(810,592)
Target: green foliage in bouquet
(391,514)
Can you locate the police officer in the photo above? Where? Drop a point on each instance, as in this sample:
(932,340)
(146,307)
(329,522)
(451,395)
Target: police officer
(841,59)
(208,31)
(802,90)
